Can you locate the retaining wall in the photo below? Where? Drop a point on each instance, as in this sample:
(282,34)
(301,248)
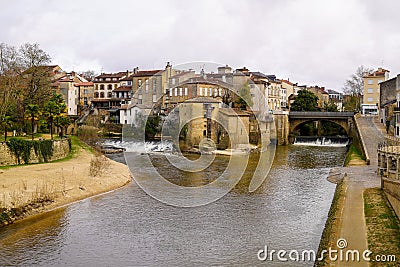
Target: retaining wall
(61,149)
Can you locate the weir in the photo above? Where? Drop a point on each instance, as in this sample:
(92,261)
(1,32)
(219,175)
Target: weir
(337,141)
(287,123)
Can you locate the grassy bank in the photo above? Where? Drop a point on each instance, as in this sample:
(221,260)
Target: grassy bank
(354,157)
(329,235)
(383,228)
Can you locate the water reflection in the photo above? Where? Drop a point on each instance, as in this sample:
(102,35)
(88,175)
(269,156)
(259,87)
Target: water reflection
(127,227)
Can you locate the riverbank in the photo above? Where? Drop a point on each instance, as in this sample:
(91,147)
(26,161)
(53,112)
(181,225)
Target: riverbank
(32,189)
(353,219)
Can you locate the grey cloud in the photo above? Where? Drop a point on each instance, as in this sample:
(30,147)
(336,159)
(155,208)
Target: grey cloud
(308,41)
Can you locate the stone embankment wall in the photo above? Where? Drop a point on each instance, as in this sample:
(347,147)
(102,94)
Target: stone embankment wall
(61,149)
(358,140)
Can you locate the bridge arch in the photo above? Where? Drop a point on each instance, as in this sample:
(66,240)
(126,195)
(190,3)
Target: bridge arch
(343,119)
(295,125)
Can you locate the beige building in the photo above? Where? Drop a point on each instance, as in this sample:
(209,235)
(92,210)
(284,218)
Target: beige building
(85,94)
(286,91)
(274,94)
(371,96)
(149,88)
(196,87)
(205,119)
(323,96)
(70,92)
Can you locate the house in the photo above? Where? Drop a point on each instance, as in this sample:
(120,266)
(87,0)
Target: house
(149,88)
(371,98)
(274,93)
(201,86)
(71,93)
(336,98)
(286,91)
(85,95)
(104,84)
(259,94)
(323,96)
(207,119)
(387,99)
(396,109)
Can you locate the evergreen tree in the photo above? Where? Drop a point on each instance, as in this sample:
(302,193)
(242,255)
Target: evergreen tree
(305,101)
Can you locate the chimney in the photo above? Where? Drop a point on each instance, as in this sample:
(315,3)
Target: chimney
(135,70)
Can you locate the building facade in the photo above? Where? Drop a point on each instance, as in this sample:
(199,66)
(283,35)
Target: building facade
(371,98)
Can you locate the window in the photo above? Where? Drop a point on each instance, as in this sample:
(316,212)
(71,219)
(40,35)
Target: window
(210,91)
(109,94)
(129,83)
(154,86)
(140,99)
(101,94)
(176,91)
(201,91)
(139,83)
(147,85)
(109,87)
(369,99)
(186,91)
(85,91)
(215,92)
(370,81)
(101,86)
(173,81)
(220,92)
(154,98)
(170,92)
(205,91)
(96,94)
(180,91)
(370,90)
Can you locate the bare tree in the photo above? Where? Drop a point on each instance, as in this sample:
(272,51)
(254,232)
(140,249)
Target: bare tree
(37,74)
(9,82)
(89,75)
(354,86)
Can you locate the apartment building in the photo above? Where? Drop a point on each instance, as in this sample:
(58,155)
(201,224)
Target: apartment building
(371,98)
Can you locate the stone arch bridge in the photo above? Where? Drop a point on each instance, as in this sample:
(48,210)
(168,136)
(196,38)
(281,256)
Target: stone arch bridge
(344,119)
(288,122)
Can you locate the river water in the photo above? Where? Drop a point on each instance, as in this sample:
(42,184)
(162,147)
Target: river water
(129,228)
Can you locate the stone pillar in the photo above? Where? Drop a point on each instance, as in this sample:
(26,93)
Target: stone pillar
(282,128)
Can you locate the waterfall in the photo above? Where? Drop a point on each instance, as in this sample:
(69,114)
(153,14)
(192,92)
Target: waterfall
(334,141)
(152,146)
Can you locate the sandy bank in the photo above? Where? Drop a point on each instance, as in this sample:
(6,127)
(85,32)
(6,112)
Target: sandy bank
(63,182)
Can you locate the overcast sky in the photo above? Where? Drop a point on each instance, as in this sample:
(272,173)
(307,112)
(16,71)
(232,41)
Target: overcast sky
(310,42)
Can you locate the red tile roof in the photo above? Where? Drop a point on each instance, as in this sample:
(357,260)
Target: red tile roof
(84,84)
(146,73)
(112,75)
(123,89)
(286,81)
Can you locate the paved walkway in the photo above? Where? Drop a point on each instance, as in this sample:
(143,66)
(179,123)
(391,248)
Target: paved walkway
(352,226)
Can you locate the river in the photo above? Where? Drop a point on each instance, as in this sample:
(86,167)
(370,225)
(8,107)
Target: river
(129,228)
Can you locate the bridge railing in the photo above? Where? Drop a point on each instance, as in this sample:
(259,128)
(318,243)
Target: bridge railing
(307,114)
